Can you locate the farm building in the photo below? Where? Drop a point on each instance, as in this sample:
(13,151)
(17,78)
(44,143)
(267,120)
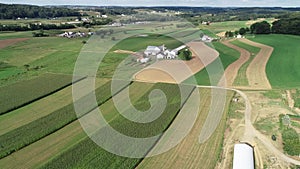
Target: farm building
(243,156)
(239,36)
(206,38)
(154,50)
(171,54)
(161,52)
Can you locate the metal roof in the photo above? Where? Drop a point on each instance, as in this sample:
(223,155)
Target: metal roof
(243,157)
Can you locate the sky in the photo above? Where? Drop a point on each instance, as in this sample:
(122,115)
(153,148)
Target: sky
(213,3)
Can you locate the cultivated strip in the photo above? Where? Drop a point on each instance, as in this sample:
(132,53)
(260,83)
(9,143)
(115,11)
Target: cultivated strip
(256,71)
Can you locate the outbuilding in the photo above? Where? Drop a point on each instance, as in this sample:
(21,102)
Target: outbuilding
(243,156)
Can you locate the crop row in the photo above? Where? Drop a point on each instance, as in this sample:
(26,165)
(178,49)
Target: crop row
(87,154)
(25,92)
(31,132)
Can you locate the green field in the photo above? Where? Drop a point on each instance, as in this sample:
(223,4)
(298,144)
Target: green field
(87,154)
(241,79)
(283,68)
(218,27)
(21,93)
(227,56)
(35,130)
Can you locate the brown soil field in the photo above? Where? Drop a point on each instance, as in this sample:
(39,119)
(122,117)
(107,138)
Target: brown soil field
(232,70)
(8,42)
(176,71)
(256,71)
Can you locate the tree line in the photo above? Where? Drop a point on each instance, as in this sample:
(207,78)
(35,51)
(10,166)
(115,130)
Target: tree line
(31,11)
(32,27)
(289,25)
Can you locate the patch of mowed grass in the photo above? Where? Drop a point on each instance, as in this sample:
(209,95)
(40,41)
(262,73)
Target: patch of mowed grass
(226,57)
(283,67)
(241,79)
(35,130)
(87,154)
(21,93)
(273,94)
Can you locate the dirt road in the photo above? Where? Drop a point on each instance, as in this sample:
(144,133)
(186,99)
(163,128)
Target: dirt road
(256,71)
(251,133)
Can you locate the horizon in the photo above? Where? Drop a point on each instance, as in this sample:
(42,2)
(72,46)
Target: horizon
(165,3)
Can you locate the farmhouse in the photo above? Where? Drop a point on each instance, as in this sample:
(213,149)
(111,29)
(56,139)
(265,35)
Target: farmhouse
(161,52)
(154,50)
(243,156)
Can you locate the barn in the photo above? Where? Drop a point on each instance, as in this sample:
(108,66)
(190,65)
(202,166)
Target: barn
(243,157)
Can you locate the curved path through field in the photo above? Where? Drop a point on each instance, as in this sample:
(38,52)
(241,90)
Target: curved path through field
(176,71)
(232,70)
(251,132)
(256,71)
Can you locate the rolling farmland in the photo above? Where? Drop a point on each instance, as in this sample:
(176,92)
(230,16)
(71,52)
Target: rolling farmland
(283,66)
(241,79)
(226,57)
(35,130)
(88,155)
(203,155)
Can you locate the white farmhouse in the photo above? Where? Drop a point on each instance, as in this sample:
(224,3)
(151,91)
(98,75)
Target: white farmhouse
(154,50)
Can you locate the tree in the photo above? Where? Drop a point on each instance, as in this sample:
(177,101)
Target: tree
(187,54)
(228,34)
(260,28)
(201,35)
(242,31)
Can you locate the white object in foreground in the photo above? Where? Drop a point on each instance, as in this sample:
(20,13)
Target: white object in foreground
(243,157)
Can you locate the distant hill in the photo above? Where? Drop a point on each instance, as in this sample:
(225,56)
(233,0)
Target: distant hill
(30,11)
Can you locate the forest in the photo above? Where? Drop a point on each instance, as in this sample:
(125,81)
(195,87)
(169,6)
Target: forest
(31,11)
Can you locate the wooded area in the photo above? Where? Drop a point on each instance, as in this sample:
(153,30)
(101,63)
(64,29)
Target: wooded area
(30,11)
